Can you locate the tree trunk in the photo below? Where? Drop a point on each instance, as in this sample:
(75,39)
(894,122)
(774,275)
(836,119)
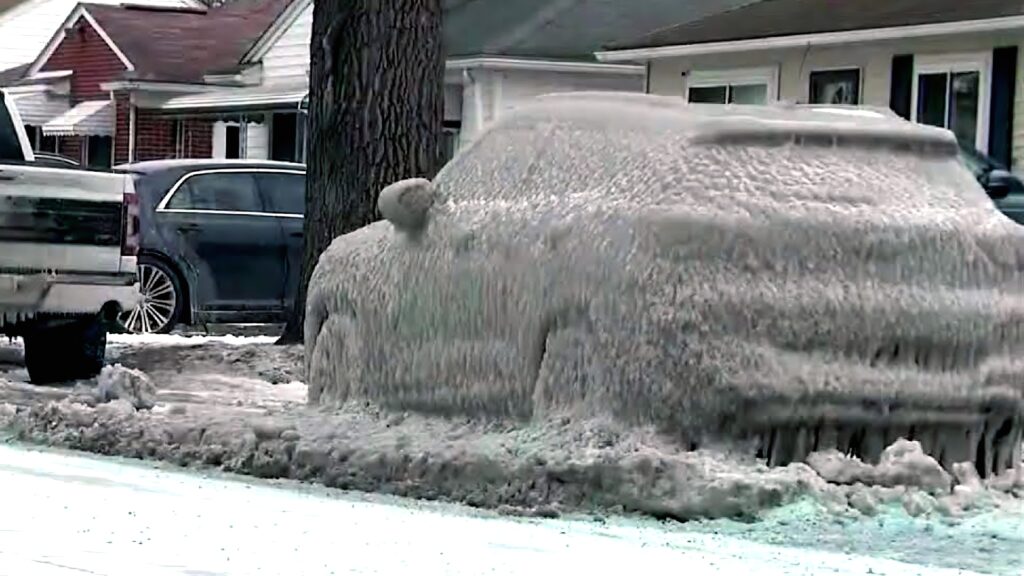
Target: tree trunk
(376,106)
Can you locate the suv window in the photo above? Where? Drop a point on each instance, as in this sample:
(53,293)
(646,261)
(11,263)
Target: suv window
(283,193)
(10,146)
(218,192)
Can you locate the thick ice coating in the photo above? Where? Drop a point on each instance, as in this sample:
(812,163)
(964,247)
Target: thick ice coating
(815,278)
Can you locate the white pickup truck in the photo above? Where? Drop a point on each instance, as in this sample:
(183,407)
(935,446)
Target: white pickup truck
(68,244)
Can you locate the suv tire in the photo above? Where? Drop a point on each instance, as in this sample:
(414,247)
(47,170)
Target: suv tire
(162,294)
(73,350)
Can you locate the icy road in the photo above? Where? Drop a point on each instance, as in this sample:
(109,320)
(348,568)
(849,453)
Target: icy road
(65,514)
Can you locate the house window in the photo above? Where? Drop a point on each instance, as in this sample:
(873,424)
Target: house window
(47,143)
(835,87)
(284,143)
(233,141)
(302,136)
(741,86)
(450,138)
(33,133)
(98,151)
(952,92)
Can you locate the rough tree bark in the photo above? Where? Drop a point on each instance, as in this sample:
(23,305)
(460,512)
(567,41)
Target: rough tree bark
(376,106)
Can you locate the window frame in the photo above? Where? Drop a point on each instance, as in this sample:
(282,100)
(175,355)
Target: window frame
(832,69)
(266,196)
(767,76)
(951,63)
(162,208)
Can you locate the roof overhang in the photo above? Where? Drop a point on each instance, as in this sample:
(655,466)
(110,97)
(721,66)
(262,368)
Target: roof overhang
(151,86)
(89,118)
(820,39)
(541,65)
(236,100)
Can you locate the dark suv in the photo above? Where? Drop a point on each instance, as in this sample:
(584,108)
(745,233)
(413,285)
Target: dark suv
(221,241)
(1004,187)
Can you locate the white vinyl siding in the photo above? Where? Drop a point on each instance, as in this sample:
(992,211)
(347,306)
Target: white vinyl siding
(491,93)
(287,61)
(257,141)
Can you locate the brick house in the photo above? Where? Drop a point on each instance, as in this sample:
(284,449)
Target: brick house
(81,95)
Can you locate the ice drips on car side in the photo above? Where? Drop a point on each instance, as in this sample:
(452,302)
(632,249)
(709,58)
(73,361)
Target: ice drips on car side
(601,255)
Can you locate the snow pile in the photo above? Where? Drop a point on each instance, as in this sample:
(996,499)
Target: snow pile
(544,468)
(618,257)
(257,360)
(119,383)
(902,464)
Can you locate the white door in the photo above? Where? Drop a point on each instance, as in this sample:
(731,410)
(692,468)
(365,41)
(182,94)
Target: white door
(952,92)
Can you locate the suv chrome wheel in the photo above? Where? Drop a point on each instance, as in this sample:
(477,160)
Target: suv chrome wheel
(159,303)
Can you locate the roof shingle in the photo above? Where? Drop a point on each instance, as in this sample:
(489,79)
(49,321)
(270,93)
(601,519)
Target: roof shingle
(184,45)
(571,29)
(773,18)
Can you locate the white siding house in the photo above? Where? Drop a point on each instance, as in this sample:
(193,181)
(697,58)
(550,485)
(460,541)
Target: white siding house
(946,63)
(477,91)
(494,64)
(287,60)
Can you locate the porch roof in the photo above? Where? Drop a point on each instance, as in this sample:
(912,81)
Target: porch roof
(229,100)
(37,107)
(89,118)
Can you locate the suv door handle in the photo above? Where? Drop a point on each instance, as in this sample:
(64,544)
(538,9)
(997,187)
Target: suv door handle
(188,227)
(296,234)
(9,176)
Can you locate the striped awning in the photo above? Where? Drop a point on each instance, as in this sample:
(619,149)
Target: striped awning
(37,107)
(89,118)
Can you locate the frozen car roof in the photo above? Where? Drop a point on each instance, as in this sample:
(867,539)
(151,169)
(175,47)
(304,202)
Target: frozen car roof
(714,121)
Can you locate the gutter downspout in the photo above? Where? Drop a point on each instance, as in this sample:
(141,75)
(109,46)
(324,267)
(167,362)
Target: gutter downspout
(131,127)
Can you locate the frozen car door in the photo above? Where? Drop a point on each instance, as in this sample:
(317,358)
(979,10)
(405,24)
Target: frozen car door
(229,239)
(284,195)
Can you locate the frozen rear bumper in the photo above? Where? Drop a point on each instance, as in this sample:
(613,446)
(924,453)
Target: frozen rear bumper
(68,294)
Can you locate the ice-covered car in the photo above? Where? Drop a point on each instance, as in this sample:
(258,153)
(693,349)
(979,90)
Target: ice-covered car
(809,277)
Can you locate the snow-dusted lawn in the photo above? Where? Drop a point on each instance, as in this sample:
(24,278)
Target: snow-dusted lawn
(239,405)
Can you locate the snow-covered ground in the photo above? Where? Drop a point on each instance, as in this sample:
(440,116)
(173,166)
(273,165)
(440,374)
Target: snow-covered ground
(239,404)
(67,514)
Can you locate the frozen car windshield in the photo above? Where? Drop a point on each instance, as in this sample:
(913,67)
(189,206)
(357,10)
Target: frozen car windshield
(532,160)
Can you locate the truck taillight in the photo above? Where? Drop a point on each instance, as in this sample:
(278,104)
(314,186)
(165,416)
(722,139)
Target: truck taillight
(130,224)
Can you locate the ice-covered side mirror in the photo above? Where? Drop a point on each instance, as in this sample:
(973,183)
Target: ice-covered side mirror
(406,204)
(1000,183)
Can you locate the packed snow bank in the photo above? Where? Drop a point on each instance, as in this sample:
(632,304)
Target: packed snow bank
(542,468)
(607,257)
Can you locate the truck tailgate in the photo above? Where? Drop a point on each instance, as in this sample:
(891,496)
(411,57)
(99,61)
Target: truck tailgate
(59,220)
